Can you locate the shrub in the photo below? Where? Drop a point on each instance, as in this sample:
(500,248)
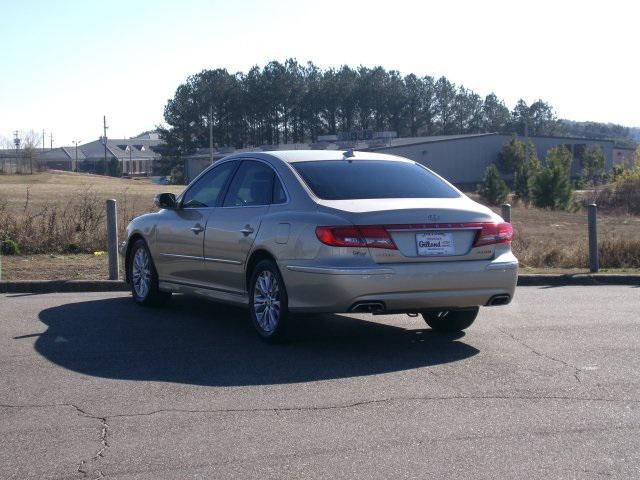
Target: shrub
(493,189)
(615,251)
(513,155)
(617,172)
(73,248)
(9,247)
(75,225)
(627,191)
(624,193)
(522,179)
(551,184)
(177,175)
(593,165)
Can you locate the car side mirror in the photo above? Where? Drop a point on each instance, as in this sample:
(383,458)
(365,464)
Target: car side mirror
(165,200)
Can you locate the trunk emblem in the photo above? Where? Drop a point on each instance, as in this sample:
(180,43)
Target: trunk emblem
(433,217)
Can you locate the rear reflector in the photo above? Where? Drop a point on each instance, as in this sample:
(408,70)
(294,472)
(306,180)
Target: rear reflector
(377,236)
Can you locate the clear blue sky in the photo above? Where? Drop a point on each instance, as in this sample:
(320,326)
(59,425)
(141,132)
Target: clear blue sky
(64,64)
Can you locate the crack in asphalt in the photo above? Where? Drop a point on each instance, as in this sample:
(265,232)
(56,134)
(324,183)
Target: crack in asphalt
(85,464)
(377,446)
(576,370)
(104,444)
(418,398)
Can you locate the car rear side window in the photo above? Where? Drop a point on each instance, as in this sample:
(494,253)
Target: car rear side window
(278,192)
(361,179)
(251,186)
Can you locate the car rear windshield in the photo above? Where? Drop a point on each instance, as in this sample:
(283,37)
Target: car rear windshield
(349,180)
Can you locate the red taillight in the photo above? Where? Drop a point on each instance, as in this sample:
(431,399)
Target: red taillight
(377,236)
(493,233)
(367,236)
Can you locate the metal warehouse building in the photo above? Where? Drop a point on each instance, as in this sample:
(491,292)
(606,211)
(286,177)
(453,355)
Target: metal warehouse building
(461,159)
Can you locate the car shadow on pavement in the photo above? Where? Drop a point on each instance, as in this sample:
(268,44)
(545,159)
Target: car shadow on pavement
(203,343)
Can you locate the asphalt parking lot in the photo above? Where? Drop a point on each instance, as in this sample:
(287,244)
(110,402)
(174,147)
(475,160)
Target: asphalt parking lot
(92,386)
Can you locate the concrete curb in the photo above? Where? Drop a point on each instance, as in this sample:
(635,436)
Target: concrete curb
(581,279)
(56,286)
(527,280)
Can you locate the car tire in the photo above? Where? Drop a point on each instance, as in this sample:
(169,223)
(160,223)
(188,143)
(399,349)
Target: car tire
(449,321)
(268,302)
(143,277)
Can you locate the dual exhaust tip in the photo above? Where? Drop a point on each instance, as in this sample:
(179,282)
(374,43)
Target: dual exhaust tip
(380,308)
(368,307)
(498,300)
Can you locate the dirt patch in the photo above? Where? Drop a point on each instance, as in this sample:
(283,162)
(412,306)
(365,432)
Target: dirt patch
(55,267)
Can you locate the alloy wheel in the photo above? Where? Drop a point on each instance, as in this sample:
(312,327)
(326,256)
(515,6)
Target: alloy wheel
(141,273)
(266,301)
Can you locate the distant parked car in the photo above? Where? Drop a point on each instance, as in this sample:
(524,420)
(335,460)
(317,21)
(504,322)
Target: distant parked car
(323,231)
(161,180)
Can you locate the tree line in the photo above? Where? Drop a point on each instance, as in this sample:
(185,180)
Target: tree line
(621,135)
(292,102)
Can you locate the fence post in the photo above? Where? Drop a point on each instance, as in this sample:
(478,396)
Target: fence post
(594,263)
(506,212)
(112,239)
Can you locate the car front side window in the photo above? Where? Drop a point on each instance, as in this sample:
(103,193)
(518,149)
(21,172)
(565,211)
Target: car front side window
(208,188)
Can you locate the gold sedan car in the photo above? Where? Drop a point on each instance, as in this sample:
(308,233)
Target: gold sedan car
(323,231)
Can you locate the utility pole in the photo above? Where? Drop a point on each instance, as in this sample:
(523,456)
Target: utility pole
(104,141)
(16,142)
(211,134)
(43,144)
(75,142)
(50,140)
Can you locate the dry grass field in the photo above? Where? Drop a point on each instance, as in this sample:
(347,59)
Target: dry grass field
(57,188)
(58,221)
(63,212)
(553,239)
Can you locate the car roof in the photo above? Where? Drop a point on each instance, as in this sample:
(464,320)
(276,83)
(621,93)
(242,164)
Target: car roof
(292,156)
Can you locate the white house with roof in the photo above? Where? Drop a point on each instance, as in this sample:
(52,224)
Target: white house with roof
(136,155)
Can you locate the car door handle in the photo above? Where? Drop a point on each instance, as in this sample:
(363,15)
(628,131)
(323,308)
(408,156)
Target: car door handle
(197,228)
(247,230)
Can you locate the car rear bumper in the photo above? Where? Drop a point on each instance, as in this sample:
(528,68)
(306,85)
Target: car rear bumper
(409,287)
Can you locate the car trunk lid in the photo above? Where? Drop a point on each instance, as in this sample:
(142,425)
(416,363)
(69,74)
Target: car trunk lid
(424,229)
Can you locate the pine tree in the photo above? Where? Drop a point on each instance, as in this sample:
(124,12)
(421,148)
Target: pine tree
(551,185)
(512,156)
(493,188)
(524,173)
